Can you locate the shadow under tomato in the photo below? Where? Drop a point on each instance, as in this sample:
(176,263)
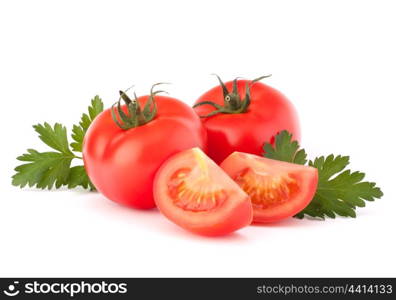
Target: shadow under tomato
(173,229)
(150,219)
(290,222)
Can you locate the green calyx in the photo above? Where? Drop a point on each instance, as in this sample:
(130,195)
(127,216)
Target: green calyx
(233,104)
(135,115)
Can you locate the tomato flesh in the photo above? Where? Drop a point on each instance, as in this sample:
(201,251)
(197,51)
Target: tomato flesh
(196,194)
(267,190)
(277,189)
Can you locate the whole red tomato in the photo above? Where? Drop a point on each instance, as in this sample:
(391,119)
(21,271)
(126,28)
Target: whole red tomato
(242,115)
(125,145)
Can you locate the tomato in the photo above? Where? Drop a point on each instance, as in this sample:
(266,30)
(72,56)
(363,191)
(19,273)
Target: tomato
(277,189)
(196,194)
(122,162)
(242,115)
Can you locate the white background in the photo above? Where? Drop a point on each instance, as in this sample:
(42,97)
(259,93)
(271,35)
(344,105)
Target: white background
(334,59)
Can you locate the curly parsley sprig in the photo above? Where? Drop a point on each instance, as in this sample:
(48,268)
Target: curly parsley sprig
(50,169)
(339,191)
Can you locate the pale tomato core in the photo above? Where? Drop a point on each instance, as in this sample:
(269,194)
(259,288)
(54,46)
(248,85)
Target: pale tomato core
(192,189)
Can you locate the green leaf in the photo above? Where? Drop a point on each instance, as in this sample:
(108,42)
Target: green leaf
(78,134)
(43,170)
(339,191)
(55,137)
(79,130)
(285,149)
(53,169)
(78,177)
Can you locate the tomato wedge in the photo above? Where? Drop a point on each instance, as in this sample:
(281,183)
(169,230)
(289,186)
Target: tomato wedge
(196,194)
(277,189)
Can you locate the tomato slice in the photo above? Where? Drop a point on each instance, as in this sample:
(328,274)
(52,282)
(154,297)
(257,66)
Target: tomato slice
(277,189)
(196,194)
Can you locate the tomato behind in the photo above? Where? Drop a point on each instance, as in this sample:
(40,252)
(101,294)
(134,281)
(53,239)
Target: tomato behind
(268,113)
(196,194)
(277,189)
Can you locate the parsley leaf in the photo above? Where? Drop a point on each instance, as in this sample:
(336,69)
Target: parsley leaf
(78,177)
(53,169)
(285,149)
(44,169)
(86,120)
(339,191)
(55,137)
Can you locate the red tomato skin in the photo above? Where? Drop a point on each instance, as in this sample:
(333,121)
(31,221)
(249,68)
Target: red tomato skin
(122,163)
(241,217)
(269,113)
